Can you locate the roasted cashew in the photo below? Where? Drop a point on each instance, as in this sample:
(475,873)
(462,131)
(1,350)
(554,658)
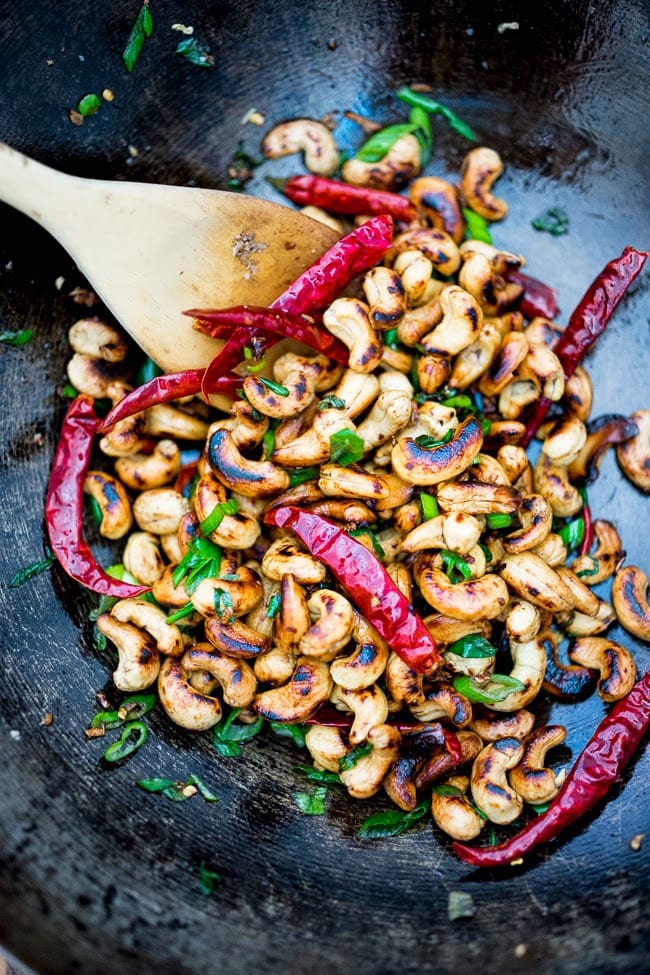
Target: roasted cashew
(138,657)
(605,559)
(479,499)
(490,788)
(513,461)
(517,395)
(443,762)
(552,480)
(326,745)
(236,677)
(534,580)
(240,592)
(126,436)
(324,371)
(523,621)
(545,369)
(293,619)
(391,412)
(536,518)
(483,598)
(350,482)
(142,558)
(634,455)
(415,270)
(160,510)
(614,663)
(239,531)
(433,371)
(285,557)
(630,598)
(461,321)
(304,135)
(385,295)
(113,502)
(436,245)
(365,777)
(581,624)
(452,811)
(314,446)
(480,170)
(437,201)
(369,706)
(454,531)
(94,377)
(448,629)
(430,465)
(309,687)
(490,726)
(97,339)
(362,667)
(348,320)
(274,667)
(400,164)
(152,619)
(422,743)
(565,441)
(166,593)
(358,391)
(578,393)
(585,600)
(513,351)
(144,471)
(246,425)
(564,681)
(486,469)
(235,639)
(530,779)
(529,659)
(185,705)
(166,420)
(417,322)
(331,631)
(478,276)
(300,386)
(323,217)
(253,479)
(472,362)
(442,701)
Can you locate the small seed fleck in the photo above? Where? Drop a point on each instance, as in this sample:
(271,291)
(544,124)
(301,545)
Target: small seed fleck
(637,841)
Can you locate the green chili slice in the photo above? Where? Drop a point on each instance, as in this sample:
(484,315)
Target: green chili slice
(132,738)
(472,646)
(573,533)
(216,516)
(429,505)
(476,227)
(301,474)
(346,447)
(498,520)
(437,108)
(497,688)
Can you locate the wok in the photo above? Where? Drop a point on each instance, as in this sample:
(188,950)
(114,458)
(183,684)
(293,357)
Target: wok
(99,876)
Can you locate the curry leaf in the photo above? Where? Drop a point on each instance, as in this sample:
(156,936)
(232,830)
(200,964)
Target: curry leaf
(392,822)
(311,803)
(195,53)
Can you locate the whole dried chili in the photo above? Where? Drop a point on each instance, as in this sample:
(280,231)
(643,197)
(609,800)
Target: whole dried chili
(589,320)
(314,289)
(538,298)
(337,197)
(164,389)
(597,769)
(64,503)
(588,537)
(221,321)
(367,583)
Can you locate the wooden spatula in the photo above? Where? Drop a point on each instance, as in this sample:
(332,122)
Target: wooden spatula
(152,251)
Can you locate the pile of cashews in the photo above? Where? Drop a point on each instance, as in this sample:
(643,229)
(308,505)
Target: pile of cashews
(452,306)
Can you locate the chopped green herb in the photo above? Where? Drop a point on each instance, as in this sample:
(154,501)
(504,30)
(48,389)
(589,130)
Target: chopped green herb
(147,371)
(227,735)
(275,603)
(311,803)
(460,402)
(393,822)
(539,808)
(69,392)
(331,402)
(429,505)
(460,904)
(275,387)
(301,474)
(472,647)
(141,30)
(131,709)
(156,785)
(268,442)
(447,790)
(16,338)
(318,775)
(379,552)
(379,143)
(178,791)
(422,132)
(207,879)
(497,688)
(476,227)
(589,572)
(223,605)
(486,552)
(390,338)
(455,567)
(295,732)
(427,442)
(181,613)
(499,520)
(485,426)
(195,53)
(433,107)
(119,571)
(89,105)
(355,754)
(573,533)
(97,513)
(35,569)
(133,737)
(216,516)
(201,561)
(554,221)
(346,447)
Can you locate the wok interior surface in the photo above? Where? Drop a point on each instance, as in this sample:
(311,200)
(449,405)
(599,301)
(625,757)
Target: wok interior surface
(96,875)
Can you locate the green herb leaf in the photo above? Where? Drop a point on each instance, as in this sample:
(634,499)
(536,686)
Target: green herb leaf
(447,790)
(379,143)
(275,387)
(35,569)
(390,338)
(275,602)
(227,735)
(573,533)
(207,879)
(97,513)
(216,516)
(589,572)
(427,442)
(476,227)
(142,29)
(223,605)
(393,822)
(318,775)
(201,554)
(497,688)
(499,520)
(301,474)
(147,371)
(460,402)
(195,53)
(539,808)
(180,614)
(554,221)
(268,442)
(433,107)
(422,132)
(355,754)
(311,803)
(16,338)
(295,732)
(460,904)
(131,709)
(429,505)
(346,447)
(69,392)
(472,647)
(89,105)
(133,737)
(155,785)
(454,566)
(331,402)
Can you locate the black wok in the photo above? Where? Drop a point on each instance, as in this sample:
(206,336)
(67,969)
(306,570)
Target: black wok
(95,874)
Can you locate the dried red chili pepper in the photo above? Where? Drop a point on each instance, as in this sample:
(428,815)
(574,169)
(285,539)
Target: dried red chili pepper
(164,389)
(598,768)
(64,503)
(588,537)
(314,289)
(588,321)
(538,298)
(219,321)
(367,583)
(337,197)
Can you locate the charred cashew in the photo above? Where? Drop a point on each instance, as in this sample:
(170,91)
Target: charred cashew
(536,516)
(629,595)
(580,624)
(274,667)
(185,706)
(531,780)
(477,358)
(529,660)
(436,245)
(442,701)
(234,596)
(415,270)
(452,811)
(314,446)
(253,479)
(523,621)
(454,531)
(552,480)
(331,631)
(479,499)
(483,598)
(348,320)
(517,395)
(543,367)
(430,465)
(365,777)
(461,321)
(448,629)
(113,502)
(144,471)
(160,510)
(348,482)
(362,667)
(294,702)
(300,386)
(565,441)
(385,295)
(285,557)
(165,420)
(480,170)
(146,616)
(236,677)
(437,201)
(634,455)
(235,639)
(613,662)
(94,377)
(423,743)
(513,351)
(489,783)
(369,706)
(585,600)
(391,412)
(142,558)
(400,164)
(606,558)
(491,727)
(138,657)
(534,580)
(304,135)
(326,745)
(94,338)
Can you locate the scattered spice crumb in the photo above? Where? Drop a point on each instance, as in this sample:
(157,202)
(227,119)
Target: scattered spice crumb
(103,701)
(75,117)
(83,296)
(189,791)
(420,86)
(37,441)
(108,94)
(9,266)
(97,732)
(253,116)
(521,950)
(460,904)
(49,62)
(133,152)
(47,719)
(637,841)
(509,25)
(15,734)
(517,863)
(183,29)
(365,124)
(332,44)
(60,281)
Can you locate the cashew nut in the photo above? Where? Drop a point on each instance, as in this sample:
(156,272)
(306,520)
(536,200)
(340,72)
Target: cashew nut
(94,377)
(146,616)
(490,788)
(634,455)
(629,595)
(566,440)
(304,135)
(300,386)
(331,631)
(605,559)
(531,780)
(614,663)
(235,639)
(362,667)
(536,518)
(400,164)
(483,598)
(314,446)
(166,420)
(326,745)
(436,245)
(437,201)
(365,777)
(142,558)
(552,480)
(113,502)
(529,659)
(491,726)
(454,531)
(385,295)
(160,510)
(236,677)
(452,811)
(480,170)
(415,270)
(368,704)
(253,479)
(97,339)
(534,580)
(138,657)
(185,705)
(348,320)
(143,471)
(239,593)
(479,499)
(461,321)
(430,465)
(285,557)
(309,687)
(513,351)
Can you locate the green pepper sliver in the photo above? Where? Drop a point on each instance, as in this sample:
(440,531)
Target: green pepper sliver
(133,736)
(496,689)
(472,646)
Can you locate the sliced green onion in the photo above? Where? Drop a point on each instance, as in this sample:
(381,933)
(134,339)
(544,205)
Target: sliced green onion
(497,688)
(29,571)
(573,533)
(460,401)
(318,775)
(498,520)
(453,565)
(311,803)
(216,516)
(69,392)
(132,738)
(346,447)
(447,790)
(476,227)
(350,759)
(275,602)
(180,614)
(430,507)
(142,29)
(268,442)
(295,732)
(223,604)
(390,338)
(207,878)
(301,474)
(436,108)
(472,647)
(16,338)
(275,387)
(427,442)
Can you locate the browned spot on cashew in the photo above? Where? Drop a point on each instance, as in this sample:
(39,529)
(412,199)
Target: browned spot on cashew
(552,481)
(447,629)
(385,295)
(531,780)
(368,704)
(634,455)
(146,616)
(480,170)
(235,639)
(185,705)
(536,518)
(253,479)
(348,319)
(512,353)
(630,598)
(441,700)
(436,245)
(613,662)
(490,788)
(309,687)
(430,465)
